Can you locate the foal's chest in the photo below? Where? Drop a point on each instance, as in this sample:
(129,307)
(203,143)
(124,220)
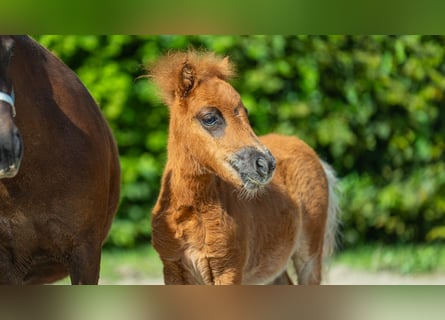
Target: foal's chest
(204,229)
(195,237)
(191,231)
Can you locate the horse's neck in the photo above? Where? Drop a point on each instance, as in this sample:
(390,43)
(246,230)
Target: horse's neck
(189,183)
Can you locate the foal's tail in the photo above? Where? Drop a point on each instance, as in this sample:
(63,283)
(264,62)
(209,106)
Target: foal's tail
(332,222)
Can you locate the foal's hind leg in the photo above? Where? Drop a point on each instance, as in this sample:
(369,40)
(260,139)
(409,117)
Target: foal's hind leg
(308,269)
(282,279)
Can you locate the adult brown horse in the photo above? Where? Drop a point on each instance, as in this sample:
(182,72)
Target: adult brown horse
(59,166)
(230,211)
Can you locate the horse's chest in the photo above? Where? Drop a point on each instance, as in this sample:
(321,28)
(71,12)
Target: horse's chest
(189,232)
(201,232)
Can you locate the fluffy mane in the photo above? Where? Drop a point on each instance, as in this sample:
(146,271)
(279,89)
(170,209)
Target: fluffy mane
(177,73)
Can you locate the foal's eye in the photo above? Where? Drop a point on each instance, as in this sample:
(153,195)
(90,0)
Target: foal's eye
(209,120)
(212,121)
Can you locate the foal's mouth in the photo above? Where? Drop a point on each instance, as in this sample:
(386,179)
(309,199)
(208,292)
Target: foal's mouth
(253,183)
(254,167)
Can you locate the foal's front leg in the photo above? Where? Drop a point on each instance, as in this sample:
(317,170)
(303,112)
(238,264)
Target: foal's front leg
(173,273)
(213,272)
(225,273)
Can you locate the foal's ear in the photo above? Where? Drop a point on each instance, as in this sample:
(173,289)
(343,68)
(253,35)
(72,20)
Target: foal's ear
(187,80)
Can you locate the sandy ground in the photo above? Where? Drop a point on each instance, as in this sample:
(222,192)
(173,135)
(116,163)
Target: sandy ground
(344,275)
(337,275)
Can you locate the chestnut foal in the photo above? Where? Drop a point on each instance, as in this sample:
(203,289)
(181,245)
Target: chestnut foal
(234,208)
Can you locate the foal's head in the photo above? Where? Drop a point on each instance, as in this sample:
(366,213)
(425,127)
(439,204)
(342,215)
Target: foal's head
(11,144)
(209,121)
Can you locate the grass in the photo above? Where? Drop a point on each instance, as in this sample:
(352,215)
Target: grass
(140,263)
(137,266)
(402,259)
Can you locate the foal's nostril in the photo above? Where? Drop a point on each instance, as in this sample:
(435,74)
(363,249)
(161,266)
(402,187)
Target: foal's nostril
(261,165)
(272,164)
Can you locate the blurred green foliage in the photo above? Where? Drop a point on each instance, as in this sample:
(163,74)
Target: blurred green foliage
(372,106)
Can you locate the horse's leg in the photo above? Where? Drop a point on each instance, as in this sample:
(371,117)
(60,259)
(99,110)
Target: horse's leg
(84,264)
(173,273)
(282,279)
(307,258)
(8,275)
(228,278)
(224,272)
(308,269)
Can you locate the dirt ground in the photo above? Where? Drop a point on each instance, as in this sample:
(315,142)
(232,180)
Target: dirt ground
(336,275)
(344,275)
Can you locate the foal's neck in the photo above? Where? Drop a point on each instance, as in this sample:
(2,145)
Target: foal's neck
(190,183)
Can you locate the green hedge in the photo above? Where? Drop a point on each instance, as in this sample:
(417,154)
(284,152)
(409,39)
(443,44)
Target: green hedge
(372,106)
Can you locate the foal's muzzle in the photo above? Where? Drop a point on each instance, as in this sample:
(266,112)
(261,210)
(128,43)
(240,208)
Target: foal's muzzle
(255,167)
